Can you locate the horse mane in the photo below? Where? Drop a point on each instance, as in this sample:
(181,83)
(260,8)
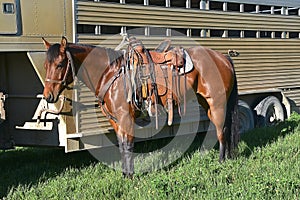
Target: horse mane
(112,54)
(53,52)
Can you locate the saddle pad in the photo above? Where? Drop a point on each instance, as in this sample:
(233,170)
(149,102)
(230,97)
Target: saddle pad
(188,63)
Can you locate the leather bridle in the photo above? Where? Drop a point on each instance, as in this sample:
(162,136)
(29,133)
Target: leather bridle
(70,65)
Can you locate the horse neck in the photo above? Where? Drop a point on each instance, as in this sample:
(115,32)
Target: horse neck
(79,53)
(91,63)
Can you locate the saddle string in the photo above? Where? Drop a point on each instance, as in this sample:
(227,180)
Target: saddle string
(143,68)
(177,82)
(184,82)
(153,85)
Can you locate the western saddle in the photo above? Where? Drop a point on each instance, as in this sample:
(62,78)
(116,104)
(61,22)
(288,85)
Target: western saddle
(159,70)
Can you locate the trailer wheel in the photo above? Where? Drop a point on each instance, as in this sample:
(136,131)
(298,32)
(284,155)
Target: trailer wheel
(269,112)
(246,118)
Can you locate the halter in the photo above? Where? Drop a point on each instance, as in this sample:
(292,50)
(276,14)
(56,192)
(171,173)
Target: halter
(69,65)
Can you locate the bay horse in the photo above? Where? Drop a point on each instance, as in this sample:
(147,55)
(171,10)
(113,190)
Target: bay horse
(212,78)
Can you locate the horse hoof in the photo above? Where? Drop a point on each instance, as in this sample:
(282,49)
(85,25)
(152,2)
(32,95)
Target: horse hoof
(128,176)
(221,160)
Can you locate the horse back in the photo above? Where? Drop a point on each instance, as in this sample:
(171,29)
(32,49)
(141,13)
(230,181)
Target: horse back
(213,70)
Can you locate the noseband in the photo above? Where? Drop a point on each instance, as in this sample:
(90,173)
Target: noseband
(70,65)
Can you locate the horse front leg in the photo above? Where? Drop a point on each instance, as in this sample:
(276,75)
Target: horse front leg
(125,135)
(129,157)
(126,146)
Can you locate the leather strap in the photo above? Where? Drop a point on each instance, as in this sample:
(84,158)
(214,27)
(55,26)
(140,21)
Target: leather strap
(104,90)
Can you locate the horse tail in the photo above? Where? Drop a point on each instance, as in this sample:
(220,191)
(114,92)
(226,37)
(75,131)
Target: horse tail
(232,118)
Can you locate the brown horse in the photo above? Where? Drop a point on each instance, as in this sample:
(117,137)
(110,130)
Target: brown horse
(212,78)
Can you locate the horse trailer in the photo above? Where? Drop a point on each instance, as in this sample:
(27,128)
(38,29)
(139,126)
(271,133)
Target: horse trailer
(266,33)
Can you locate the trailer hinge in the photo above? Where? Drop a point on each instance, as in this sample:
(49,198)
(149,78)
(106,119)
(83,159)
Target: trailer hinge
(2,111)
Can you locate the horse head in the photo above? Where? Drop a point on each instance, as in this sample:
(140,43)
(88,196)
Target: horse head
(57,65)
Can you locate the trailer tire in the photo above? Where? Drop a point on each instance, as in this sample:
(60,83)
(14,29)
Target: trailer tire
(246,118)
(269,112)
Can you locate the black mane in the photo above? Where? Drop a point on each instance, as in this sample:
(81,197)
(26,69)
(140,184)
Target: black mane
(114,55)
(53,52)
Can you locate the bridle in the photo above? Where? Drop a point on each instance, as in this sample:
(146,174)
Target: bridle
(70,65)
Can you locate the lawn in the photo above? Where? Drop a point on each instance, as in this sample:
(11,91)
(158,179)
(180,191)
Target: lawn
(267,166)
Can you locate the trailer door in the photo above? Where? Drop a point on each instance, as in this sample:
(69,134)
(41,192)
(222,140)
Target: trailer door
(8,17)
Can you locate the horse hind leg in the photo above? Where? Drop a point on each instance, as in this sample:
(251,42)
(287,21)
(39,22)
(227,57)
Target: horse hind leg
(223,122)
(227,135)
(222,144)
(217,116)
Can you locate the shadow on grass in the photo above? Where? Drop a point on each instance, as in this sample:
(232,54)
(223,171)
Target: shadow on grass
(260,137)
(28,166)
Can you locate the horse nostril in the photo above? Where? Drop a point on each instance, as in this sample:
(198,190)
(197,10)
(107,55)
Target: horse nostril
(49,98)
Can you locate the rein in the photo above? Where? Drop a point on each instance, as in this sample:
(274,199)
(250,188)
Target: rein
(70,65)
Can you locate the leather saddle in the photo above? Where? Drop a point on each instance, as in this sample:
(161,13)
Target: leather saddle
(166,62)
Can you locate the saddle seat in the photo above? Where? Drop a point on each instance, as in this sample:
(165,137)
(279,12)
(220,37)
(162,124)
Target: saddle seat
(165,54)
(162,54)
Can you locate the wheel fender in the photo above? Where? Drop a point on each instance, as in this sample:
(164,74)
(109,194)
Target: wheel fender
(269,111)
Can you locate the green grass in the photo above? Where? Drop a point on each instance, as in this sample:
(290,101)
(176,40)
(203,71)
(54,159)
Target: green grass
(267,167)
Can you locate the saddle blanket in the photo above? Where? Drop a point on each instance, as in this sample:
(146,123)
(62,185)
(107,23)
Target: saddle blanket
(188,63)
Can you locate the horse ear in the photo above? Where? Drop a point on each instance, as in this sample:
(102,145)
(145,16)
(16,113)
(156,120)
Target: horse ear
(46,43)
(63,44)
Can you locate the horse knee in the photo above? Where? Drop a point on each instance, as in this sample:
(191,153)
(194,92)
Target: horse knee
(221,136)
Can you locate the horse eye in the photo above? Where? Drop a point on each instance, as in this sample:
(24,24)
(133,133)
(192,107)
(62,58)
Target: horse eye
(60,65)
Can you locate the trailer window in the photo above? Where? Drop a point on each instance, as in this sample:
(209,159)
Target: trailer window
(179,4)
(216,33)
(8,8)
(158,31)
(111,1)
(135,30)
(157,3)
(250,34)
(265,34)
(294,35)
(196,4)
(88,29)
(294,11)
(249,8)
(140,2)
(234,34)
(233,7)
(277,10)
(178,31)
(216,6)
(195,32)
(110,29)
(265,9)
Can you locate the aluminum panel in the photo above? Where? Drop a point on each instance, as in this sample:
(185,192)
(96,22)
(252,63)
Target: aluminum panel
(95,13)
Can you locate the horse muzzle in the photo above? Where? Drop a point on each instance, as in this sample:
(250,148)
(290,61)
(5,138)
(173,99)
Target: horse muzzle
(50,97)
